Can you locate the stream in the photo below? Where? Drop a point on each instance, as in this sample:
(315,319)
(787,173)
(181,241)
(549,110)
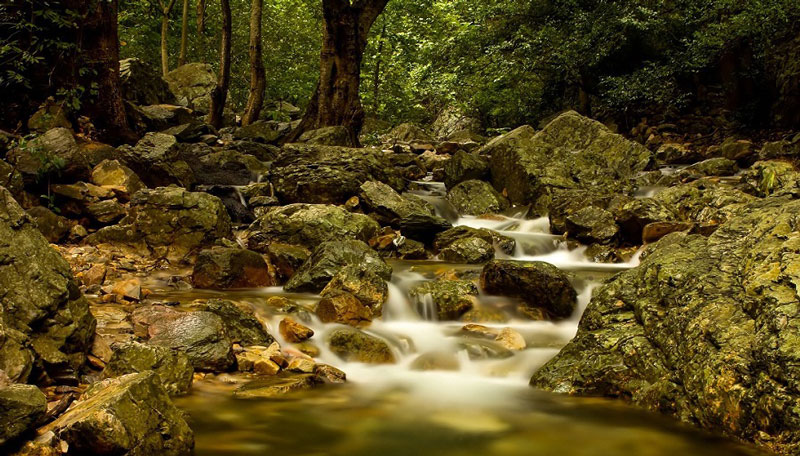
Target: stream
(477,400)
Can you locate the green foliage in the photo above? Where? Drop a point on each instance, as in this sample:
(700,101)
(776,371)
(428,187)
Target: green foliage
(50,165)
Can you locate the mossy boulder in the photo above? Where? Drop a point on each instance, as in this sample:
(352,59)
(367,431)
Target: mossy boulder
(10,178)
(327,260)
(54,227)
(45,321)
(705,330)
(473,250)
(157,160)
(305,173)
(445,238)
(328,136)
(354,345)
(540,286)
(592,224)
(112,173)
(240,321)
(201,336)
(475,197)
(465,166)
(173,367)
(412,216)
(130,415)
(450,298)
(571,152)
(367,285)
(192,85)
(170,218)
(21,408)
(76,158)
(309,225)
(142,84)
(703,201)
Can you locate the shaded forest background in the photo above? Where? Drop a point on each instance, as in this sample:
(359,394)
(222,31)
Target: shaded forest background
(506,62)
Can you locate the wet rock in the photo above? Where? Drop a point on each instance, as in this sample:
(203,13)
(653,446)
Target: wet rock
(305,173)
(435,361)
(329,374)
(634,215)
(112,173)
(592,224)
(469,250)
(772,178)
(703,330)
(304,365)
(170,218)
(652,232)
(343,307)
(259,359)
(276,386)
(412,216)
(293,332)
(241,324)
(539,285)
(143,85)
(192,85)
(21,408)
(474,197)
(484,349)
(366,285)
(450,298)
(156,160)
(173,367)
(222,268)
(703,201)
(286,258)
(353,345)
(406,133)
(446,238)
(510,339)
(309,225)
(239,211)
(465,166)
(55,228)
(572,152)
(712,167)
(508,142)
(126,415)
(677,153)
(737,150)
(328,136)
(484,315)
(130,289)
(200,335)
(45,321)
(329,258)
(408,165)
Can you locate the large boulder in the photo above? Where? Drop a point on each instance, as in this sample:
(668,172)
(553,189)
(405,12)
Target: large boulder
(543,288)
(112,173)
(173,367)
(222,268)
(411,215)
(58,153)
(357,346)
(54,227)
(450,299)
(305,173)
(21,408)
(241,324)
(156,160)
(266,132)
(45,323)
(452,120)
(365,284)
(158,117)
(200,335)
(331,257)
(508,142)
(130,415)
(171,218)
(222,167)
(703,201)
(705,329)
(142,85)
(475,197)
(571,152)
(192,84)
(309,225)
(407,133)
(465,166)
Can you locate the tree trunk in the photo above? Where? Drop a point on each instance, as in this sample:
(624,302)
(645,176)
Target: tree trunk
(220,93)
(336,100)
(201,17)
(184,33)
(165,10)
(99,52)
(258,78)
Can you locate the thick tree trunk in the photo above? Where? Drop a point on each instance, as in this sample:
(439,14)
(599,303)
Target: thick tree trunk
(99,52)
(165,10)
(220,92)
(258,77)
(184,33)
(336,100)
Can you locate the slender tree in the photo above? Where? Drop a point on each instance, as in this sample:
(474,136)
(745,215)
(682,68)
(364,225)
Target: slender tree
(220,93)
(376,76)
(258,77)
(201,17)
(184,32)
(166,8)
(336,100)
